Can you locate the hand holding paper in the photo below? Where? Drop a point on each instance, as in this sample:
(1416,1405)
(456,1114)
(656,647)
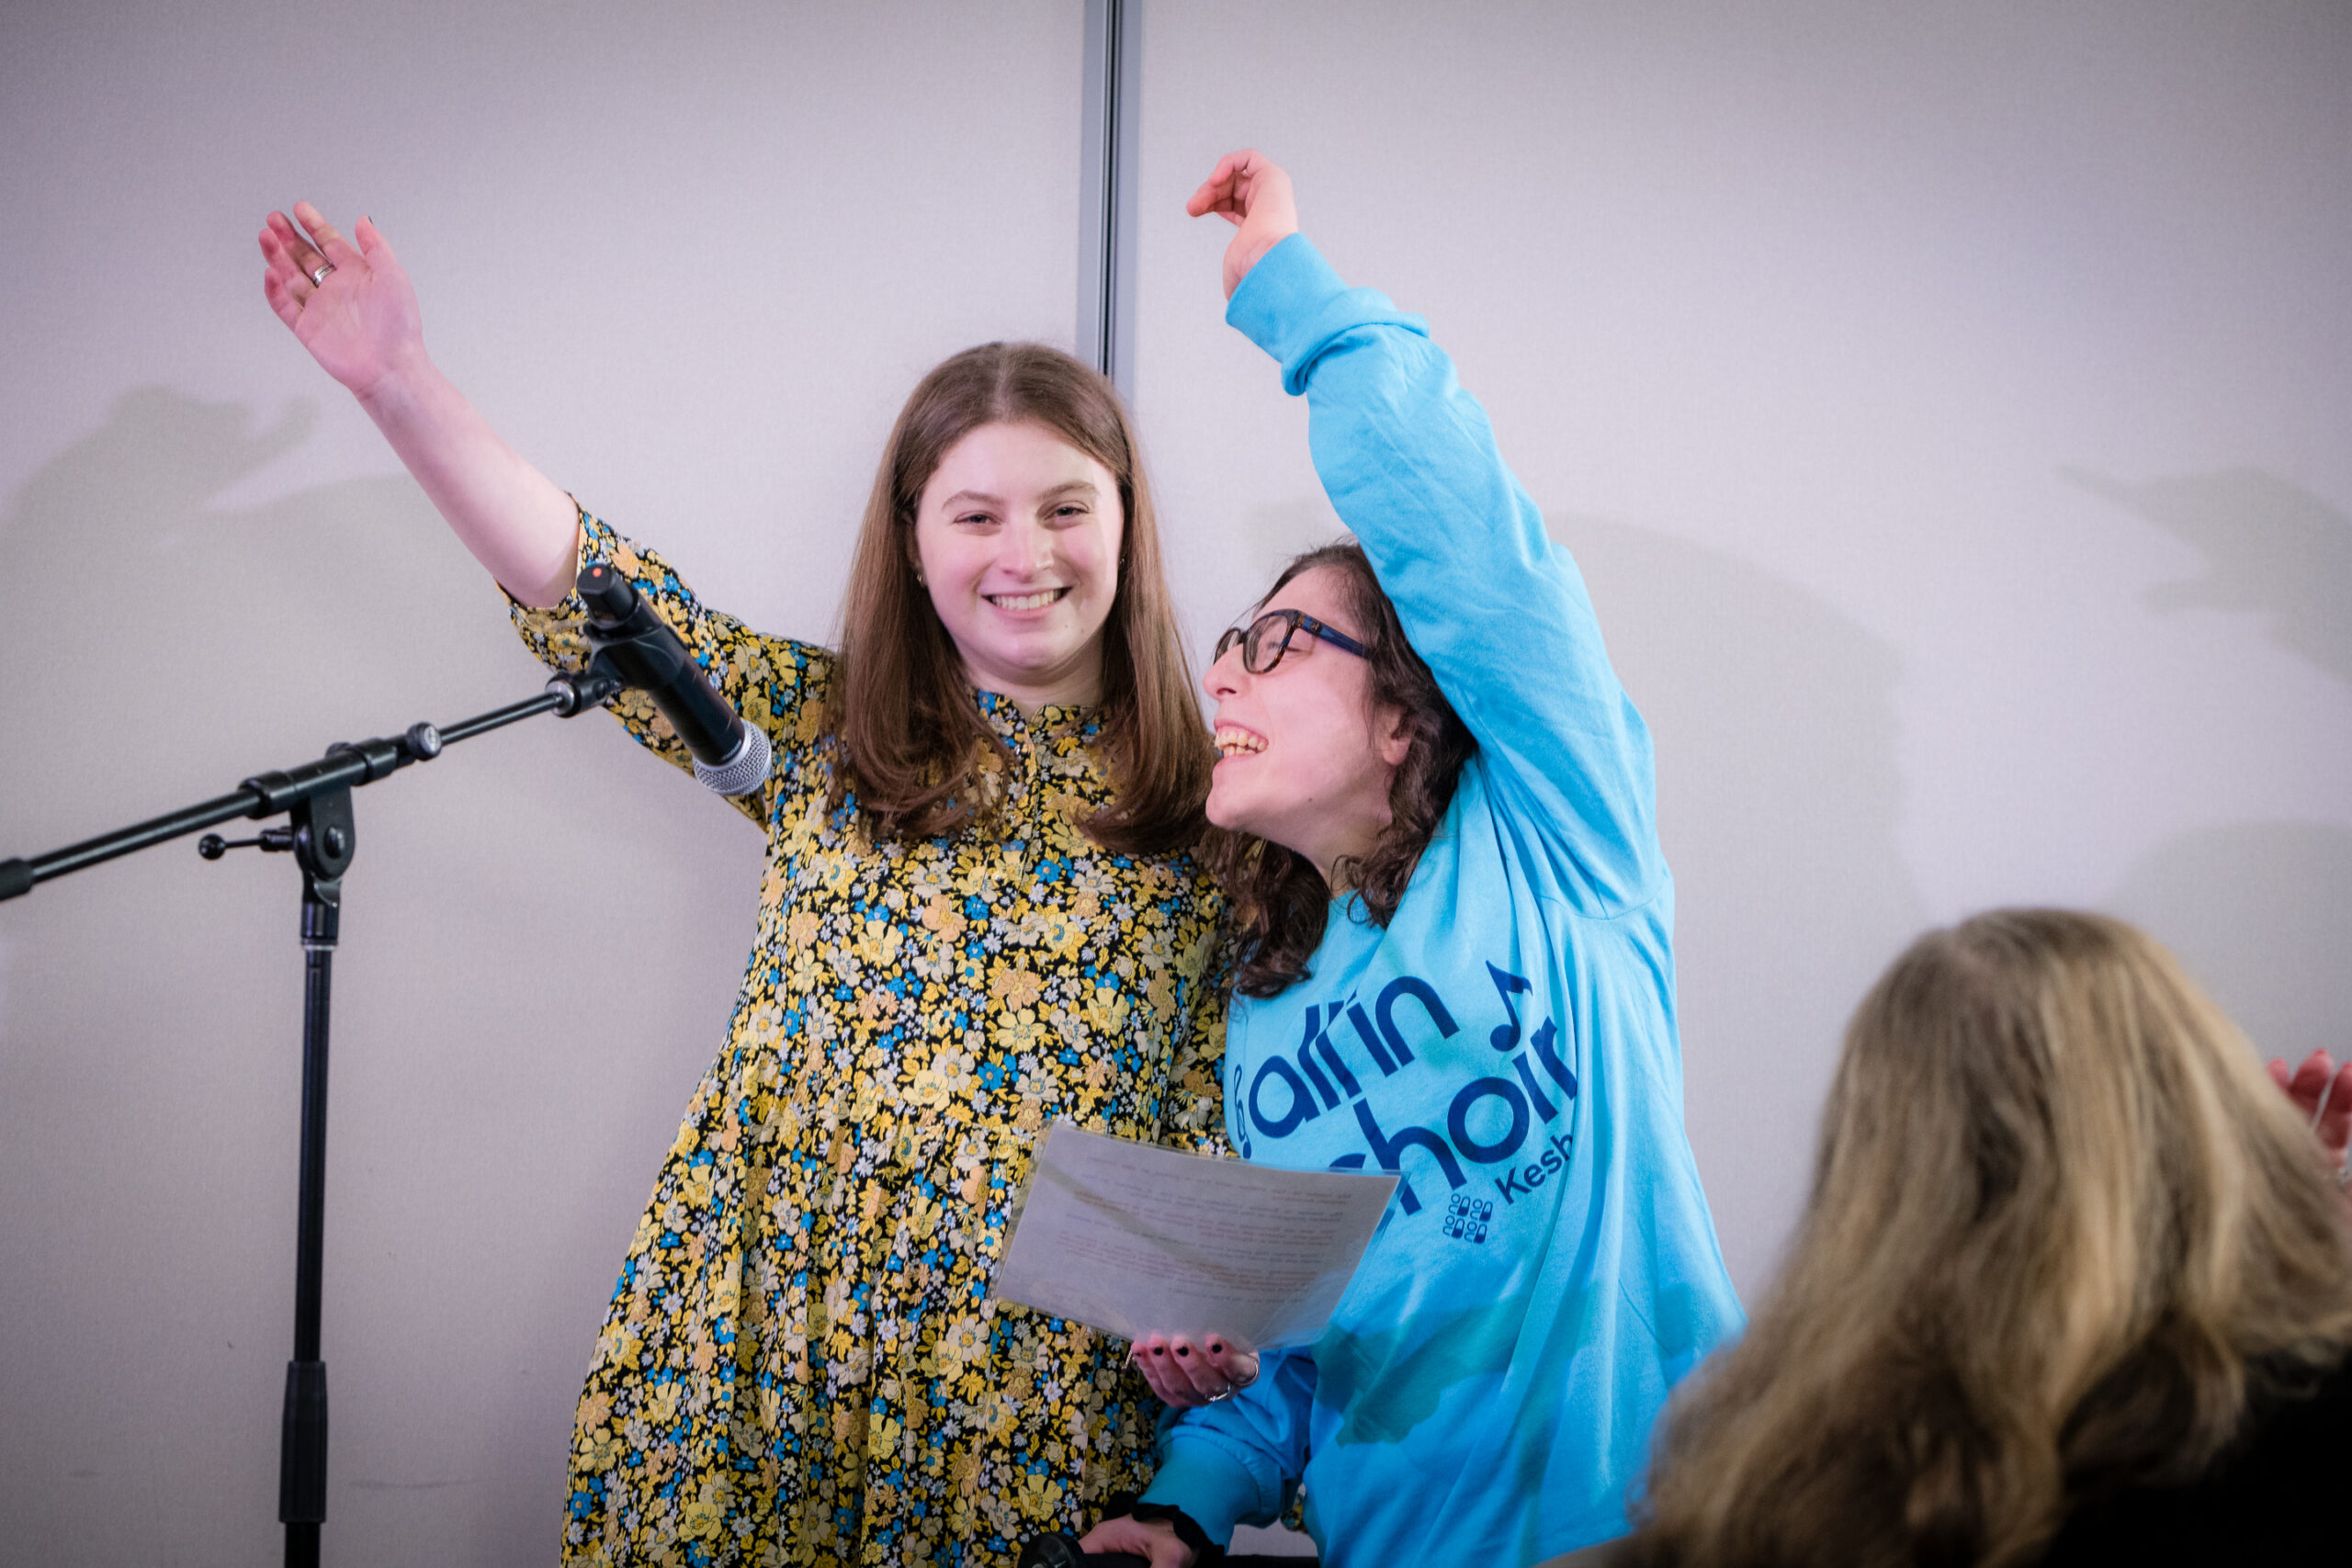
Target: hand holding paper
(1183,1374)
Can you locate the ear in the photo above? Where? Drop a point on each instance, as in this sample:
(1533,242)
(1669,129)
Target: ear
(1393,734)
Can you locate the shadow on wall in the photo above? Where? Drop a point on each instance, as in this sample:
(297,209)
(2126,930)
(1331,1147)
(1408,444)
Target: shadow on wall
(2260,912)
(1778,798)
(2268,546)
(534,967)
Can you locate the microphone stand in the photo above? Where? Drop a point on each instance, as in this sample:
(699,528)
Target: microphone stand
(316,799)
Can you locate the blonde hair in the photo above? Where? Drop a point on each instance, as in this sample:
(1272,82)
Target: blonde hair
(2061,1227)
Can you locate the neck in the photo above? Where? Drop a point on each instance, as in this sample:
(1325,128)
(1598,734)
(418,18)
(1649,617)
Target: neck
(1080,686)
(1335,859)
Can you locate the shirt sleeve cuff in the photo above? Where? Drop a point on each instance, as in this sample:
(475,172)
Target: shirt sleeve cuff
(1292,305)
(1214,1485)
(597,542)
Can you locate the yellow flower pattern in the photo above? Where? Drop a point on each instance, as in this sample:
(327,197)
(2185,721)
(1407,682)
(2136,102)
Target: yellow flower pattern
(801,1363)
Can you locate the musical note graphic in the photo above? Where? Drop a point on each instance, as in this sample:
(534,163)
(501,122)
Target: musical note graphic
(1507,985)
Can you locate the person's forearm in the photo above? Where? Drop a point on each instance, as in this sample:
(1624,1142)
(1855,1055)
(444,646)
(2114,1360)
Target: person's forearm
(518,523)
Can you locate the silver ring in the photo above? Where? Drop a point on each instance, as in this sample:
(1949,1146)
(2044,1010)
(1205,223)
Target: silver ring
(1219,1398)
(319,273)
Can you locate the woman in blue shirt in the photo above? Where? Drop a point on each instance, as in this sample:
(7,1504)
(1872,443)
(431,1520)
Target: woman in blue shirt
(1457,965)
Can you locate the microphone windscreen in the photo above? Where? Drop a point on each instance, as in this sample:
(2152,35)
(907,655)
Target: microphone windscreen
(743,771)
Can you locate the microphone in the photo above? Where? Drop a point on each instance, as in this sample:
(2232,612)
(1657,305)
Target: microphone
(639,648)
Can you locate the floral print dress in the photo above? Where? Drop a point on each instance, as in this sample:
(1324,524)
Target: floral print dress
(801,1363)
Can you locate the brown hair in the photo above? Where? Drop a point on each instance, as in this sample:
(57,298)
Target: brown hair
(913,745)
(2062,1227)
(1280,899)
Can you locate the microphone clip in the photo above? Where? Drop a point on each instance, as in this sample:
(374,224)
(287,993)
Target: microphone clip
(637,649)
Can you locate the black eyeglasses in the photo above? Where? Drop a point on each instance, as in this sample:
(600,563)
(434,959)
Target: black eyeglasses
(1263,648)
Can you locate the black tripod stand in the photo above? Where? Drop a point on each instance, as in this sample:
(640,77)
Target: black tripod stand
(315,797)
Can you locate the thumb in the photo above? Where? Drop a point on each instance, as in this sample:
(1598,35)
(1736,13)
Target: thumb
(375,247)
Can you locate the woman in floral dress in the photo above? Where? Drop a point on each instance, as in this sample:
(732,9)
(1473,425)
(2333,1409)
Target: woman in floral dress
(979,913)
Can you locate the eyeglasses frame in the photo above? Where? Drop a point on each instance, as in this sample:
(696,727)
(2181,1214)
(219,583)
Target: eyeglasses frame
(1297,621)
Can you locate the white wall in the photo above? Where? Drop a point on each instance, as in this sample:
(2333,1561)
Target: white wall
(1948,407)
(689,258)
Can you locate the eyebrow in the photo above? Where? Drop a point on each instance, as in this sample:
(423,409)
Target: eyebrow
(1072,487)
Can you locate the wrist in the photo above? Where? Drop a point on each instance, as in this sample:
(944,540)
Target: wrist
(1248,255)
(408,382)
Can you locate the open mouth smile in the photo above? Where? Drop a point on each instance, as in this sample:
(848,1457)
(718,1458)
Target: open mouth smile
(1037,600)
(1232,740)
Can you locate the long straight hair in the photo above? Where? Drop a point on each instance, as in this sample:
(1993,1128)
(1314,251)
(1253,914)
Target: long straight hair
(913,745)
(2062,1228)
(1279,898)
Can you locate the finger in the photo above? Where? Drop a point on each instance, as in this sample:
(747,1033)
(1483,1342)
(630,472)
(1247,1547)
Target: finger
(372,244)
(2313,1075)
(2336,1121)
(1156,1542)
(274,257)
(1210,197)
(2309,1085)
(1212,188)
(280,259)
(301,255)
(1238,1367)
(282,302)
(1223,189)
(326,238)
(1206,1381)
(2279,1075)
(1171,1388)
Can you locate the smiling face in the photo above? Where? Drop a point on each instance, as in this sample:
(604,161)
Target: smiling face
(1017,536)
(1303,758)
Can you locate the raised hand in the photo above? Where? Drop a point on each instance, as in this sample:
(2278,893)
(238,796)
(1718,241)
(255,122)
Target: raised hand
(350,305)
(2322,1092)
(1249,191)
(1185,1374)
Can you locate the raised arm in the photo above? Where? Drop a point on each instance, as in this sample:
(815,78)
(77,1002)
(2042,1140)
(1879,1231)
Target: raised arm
(352,307)
(1497,611)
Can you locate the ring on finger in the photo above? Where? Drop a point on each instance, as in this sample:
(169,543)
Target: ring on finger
(1228,1393)
(318,275)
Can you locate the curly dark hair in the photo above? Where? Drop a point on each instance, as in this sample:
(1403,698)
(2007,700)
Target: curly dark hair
(1280,900)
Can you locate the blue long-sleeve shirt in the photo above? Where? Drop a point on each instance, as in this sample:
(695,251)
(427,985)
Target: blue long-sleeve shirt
(1547,1268)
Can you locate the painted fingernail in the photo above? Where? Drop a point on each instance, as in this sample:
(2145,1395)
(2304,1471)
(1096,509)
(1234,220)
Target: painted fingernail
(1216,1347)
(1184,1350)
(1157,1351)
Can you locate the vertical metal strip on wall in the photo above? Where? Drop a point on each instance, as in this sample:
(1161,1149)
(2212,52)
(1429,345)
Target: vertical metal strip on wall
(1106,263)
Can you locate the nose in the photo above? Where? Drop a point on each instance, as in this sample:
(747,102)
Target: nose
(1028,546)
(1224,675)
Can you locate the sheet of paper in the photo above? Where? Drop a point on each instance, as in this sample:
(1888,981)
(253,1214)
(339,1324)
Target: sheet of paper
(1134,1240)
